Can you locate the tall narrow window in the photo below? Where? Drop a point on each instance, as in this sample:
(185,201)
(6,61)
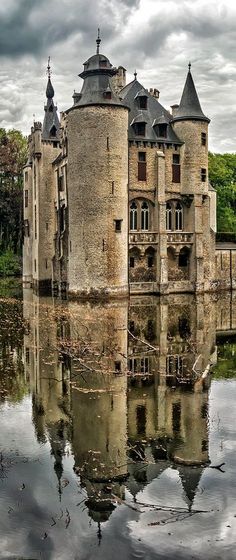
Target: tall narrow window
(26,198)
(203,175)
(203,138)
(176,168)
(168,216)
(144,365)
(142,166)
(35,223)
(133,216)
(144,216)
(178,217)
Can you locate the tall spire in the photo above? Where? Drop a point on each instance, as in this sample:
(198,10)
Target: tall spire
(189,107)
(51,123)
(98,41)
(49,90)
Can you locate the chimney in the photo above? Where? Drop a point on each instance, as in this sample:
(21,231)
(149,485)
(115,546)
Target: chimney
(174,109)
(119,80)
(154,92)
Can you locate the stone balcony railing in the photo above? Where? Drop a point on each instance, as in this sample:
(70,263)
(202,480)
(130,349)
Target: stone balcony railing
(143,237)
(179,237)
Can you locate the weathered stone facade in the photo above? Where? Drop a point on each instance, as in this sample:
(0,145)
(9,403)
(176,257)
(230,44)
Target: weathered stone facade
(117,198)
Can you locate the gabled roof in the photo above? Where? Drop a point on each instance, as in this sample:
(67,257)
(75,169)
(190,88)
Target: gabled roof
(130,95)
(189,107)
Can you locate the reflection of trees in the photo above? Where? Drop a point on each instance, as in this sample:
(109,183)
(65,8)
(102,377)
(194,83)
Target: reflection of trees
(13,385)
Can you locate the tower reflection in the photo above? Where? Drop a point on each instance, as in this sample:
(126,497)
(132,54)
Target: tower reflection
(126,383)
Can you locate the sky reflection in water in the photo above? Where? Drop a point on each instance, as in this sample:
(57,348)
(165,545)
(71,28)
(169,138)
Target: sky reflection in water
(109,432)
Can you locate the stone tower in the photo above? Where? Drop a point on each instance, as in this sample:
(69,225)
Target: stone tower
(39,196)
(191,126)
(97,182)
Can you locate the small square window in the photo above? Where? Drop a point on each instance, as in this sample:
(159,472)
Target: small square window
(143,102)
(142,156)
(118,225)
(140,129)
(176,159)
(203,175)
(117,367)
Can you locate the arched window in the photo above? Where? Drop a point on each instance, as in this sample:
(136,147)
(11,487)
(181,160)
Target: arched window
(133,216)
(168,216)
(178,217)
(144,216)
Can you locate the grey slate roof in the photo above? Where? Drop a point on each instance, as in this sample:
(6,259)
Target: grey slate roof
(97,75)
(51,125)
(130,96)
(189,107)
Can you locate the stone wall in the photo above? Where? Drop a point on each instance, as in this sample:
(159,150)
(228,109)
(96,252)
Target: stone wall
(98,200)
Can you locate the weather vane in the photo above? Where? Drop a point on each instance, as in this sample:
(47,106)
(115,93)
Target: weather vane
(49,71)
(98,41)
(189,66)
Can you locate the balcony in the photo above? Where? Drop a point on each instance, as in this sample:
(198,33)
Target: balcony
(184,237)
(143,237)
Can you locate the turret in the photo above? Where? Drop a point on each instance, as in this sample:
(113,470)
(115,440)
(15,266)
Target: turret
(51,123)
(191,125)
(97,184)
(44,150)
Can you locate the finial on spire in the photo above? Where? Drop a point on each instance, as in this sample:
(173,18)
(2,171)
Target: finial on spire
(135,75)
(189,66)
(98,41)
(49,71)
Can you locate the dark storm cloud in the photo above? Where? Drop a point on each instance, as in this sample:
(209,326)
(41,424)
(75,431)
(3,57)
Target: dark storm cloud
(158,37)
(31,27)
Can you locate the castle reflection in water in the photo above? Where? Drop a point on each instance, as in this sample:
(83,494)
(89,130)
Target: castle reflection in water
(126,383)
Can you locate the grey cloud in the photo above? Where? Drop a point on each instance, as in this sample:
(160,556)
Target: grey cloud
(160,49)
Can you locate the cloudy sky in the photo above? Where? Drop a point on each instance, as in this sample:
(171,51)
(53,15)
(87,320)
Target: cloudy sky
(156,37)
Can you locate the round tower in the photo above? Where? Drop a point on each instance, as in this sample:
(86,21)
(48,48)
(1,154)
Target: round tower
(98,185)
(191,126)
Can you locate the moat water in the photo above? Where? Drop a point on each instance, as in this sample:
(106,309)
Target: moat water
(118,432)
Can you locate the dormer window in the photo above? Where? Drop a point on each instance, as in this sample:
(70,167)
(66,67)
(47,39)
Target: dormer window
(102,63)
(53,131)
(140,129)
(160,126)
(143,102)
(162,130)
(141,99)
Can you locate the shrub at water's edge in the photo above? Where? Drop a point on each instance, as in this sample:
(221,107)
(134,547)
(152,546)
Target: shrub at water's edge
(10,264)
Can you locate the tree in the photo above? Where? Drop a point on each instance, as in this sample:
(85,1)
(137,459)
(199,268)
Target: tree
(222,176)
(13,153)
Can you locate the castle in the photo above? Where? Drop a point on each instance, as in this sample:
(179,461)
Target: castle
(116,193)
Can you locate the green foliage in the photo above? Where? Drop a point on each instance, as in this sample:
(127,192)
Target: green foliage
(222,176)
(13,152)
(226,362)
(10,264)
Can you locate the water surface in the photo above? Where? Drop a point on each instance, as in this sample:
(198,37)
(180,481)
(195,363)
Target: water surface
(113,418)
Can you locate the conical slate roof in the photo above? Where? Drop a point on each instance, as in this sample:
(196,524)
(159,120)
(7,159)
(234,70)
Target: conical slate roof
(49,90)
(189,107)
